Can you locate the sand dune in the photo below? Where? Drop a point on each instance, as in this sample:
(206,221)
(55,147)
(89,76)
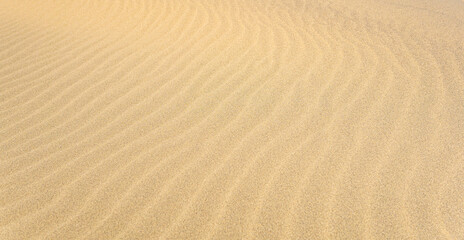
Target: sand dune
(241,119)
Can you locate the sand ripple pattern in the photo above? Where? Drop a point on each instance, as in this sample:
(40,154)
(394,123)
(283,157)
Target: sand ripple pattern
(240,119)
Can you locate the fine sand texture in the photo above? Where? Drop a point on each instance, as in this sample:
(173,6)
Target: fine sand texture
(231,119)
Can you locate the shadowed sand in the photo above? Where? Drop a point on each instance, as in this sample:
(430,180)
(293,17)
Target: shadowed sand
(240,119)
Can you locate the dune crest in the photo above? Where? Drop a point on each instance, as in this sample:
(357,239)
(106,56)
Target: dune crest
(241,119)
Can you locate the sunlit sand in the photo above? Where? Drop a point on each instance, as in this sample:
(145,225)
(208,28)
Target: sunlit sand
(240,119)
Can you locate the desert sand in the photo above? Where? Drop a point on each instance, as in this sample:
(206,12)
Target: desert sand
(240,119)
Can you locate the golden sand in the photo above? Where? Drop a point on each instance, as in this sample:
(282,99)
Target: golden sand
(240,119)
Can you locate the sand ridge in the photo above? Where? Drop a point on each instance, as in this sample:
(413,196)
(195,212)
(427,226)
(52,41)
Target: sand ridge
(208,119)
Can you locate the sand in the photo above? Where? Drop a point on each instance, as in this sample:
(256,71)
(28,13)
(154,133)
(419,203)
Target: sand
(240,119)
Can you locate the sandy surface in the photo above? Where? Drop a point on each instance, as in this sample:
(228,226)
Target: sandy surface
(240,119)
